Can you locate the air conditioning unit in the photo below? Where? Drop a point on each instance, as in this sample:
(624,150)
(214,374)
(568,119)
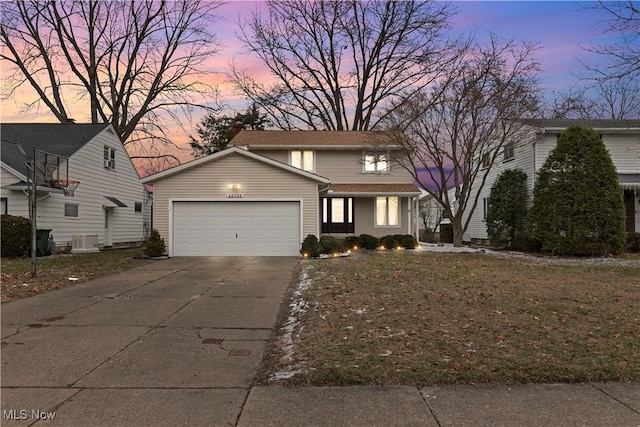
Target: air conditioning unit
(84,243)
(108,164)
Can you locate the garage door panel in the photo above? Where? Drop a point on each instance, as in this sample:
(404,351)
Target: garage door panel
(236,228)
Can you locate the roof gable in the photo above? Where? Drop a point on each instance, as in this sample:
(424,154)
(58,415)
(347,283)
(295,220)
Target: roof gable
(64,139)
(309,138)
(225,153)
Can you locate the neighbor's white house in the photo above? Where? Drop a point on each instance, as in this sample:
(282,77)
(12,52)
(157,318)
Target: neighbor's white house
(621,137)
(270,189)
(110,206)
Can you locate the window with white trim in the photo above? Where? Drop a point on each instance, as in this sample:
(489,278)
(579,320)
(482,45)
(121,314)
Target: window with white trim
(302,159)
(375,162)
(4,206)
(71,210)
(485,208)
(109,157)
(388,211)
(486,160)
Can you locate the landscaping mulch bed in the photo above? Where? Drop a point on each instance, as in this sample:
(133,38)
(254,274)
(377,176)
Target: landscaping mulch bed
(458,318)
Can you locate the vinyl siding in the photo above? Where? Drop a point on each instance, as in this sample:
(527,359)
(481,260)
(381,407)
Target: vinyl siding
(87,166)
(257,180)
(530,157)
(523,160)
(17,201)
(345,167)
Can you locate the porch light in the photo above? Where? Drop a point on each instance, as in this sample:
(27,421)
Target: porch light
(234,187)
(355,248)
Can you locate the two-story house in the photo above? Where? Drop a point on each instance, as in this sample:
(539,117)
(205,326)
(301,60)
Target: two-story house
(621,137)
(108,208)
(270,189)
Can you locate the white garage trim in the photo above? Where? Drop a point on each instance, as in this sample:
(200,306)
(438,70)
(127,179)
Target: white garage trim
(226,200)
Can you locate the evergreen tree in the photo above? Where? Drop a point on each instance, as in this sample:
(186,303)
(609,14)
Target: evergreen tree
(507,214)
(578,207)
(215,131)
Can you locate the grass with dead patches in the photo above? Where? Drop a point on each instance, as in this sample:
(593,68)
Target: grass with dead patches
(54,272)
(418,319)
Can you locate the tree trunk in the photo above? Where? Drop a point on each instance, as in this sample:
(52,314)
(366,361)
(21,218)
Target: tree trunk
(456,224)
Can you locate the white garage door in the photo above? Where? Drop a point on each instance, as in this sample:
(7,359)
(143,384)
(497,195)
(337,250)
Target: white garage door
(236,228)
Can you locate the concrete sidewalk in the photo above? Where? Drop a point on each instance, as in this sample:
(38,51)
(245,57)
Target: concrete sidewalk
(178,342)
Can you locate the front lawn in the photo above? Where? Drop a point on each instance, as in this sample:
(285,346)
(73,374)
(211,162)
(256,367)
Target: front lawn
(434,318)
(56,271)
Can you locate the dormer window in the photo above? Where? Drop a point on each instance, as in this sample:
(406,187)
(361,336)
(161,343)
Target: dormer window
(376,162)
(302,159)
(109,157)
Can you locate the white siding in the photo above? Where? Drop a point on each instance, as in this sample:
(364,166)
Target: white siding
(87,166)
(17,201)
(523,159)
(531,155)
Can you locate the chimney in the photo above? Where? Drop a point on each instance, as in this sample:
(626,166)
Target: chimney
(237,127)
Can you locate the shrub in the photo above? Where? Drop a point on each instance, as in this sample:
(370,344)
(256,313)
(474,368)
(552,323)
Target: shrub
(388,242)
(633,242)
(351,241)
(368,241)
(507,213)
(154,246)
(329,244)
(578,207)
(311,246)
(408,242)
(16,236)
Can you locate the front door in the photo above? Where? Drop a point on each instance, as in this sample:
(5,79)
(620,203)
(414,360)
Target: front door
(337,215)
(108,227)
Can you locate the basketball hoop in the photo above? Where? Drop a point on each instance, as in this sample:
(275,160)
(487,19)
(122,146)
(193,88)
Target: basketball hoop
(66,185)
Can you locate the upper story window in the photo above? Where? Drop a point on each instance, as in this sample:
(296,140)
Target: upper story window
(376,162)
(486,159)
(509,151)
(109,157)
(303,159)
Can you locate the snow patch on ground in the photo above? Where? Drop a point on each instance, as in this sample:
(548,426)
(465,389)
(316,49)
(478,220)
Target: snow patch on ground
(293,326)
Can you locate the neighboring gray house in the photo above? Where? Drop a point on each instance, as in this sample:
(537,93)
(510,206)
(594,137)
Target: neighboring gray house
(621,137)
(270,189)
(109,205)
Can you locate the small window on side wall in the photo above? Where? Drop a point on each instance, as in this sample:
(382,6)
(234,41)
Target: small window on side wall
(4,208)
(486,160)
(71,210)
(509,151)
(109,157)
(138,207)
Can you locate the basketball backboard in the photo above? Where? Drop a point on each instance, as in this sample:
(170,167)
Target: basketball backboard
(49,167)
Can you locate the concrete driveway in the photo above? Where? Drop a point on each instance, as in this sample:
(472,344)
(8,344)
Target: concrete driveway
(176,342)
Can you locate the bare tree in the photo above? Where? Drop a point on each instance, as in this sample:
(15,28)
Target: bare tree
(608,99)
(623,20)
(456,130)
(131,61)
(336,63)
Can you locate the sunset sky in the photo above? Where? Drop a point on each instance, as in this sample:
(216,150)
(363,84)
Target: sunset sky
(563,29)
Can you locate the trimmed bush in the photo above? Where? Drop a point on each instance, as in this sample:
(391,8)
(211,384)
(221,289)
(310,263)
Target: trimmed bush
(408,242)
(578,206)
(16,236)
(507,214)
(311,246)
(389,242)
(154,246)
(633,242)
(351,241)
(329,244)
(367,241)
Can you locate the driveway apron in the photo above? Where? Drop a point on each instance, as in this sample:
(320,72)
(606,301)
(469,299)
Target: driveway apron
(176,342)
